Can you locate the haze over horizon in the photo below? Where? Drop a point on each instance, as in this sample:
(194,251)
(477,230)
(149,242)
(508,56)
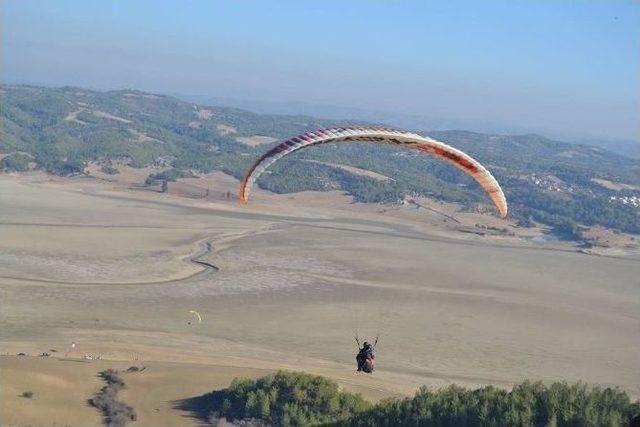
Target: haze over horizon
(554,68)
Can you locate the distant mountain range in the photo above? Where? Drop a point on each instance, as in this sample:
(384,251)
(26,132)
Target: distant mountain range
(560,184)
(418,122)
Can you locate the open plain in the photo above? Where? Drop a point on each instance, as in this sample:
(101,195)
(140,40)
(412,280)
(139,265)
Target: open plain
(284,283)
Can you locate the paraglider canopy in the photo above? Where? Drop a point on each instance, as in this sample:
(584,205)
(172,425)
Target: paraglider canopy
(420,143)
(197,315)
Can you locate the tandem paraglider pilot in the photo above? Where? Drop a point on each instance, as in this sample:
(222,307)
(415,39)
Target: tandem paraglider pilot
(366,358)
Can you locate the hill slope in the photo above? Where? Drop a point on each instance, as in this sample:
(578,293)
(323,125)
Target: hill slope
(560,184)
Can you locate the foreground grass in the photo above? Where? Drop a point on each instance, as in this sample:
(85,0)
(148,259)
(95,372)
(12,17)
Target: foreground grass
(292,399)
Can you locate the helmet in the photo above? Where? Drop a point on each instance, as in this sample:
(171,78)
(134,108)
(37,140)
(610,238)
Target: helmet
(366,344)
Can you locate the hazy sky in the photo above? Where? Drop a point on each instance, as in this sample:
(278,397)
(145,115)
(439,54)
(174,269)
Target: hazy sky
(570,67)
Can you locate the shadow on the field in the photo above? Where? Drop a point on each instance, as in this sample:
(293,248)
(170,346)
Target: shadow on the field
(202,408)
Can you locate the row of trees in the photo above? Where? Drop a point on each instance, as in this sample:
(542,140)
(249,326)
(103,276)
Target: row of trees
(296,399)
(527,404)
(15,162)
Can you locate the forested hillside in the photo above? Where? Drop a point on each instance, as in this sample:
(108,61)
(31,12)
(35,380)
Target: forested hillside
(559,184)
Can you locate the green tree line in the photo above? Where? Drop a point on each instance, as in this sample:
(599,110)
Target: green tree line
(297,399)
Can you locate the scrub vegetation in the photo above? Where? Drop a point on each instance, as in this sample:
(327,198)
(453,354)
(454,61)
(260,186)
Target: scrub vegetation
(114,412)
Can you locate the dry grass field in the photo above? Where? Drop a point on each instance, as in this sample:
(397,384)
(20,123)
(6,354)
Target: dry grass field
(102,263)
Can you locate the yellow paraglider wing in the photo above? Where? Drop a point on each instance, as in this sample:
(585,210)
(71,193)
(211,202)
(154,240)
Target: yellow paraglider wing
(197,315)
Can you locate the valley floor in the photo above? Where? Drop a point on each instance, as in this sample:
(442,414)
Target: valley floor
(108,266)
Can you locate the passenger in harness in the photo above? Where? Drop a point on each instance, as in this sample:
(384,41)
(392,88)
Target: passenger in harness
(366,357)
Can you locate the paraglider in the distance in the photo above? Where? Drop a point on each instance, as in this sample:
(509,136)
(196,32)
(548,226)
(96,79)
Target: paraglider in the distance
(198,316)
(413,141)
(366,357)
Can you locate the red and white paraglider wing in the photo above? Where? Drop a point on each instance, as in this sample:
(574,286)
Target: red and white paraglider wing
(471,167)
(380,135)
